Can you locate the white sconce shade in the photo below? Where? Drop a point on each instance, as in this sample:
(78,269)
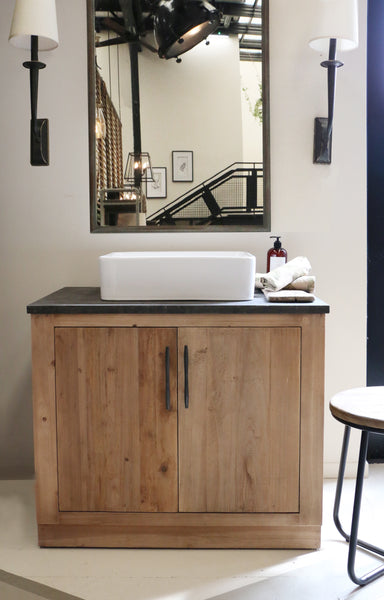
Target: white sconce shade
(34,17)
(336,19)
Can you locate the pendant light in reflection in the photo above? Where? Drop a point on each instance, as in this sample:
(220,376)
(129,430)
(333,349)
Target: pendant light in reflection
(100,125)
(138,168)
(182,24)
(130,193)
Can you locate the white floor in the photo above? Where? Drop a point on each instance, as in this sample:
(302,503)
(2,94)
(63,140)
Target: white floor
(186,574)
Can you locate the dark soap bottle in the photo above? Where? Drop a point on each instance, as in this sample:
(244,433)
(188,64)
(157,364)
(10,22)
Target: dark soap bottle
(277,256)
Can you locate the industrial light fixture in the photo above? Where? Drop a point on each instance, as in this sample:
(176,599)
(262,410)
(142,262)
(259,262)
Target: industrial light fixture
(335,27)
(130,193)
(138,168)
(100,124)
(34,28)
(182,24)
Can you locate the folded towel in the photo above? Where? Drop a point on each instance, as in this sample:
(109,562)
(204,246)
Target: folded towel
(258,283)
(288,296)
(279,278)
(305,283)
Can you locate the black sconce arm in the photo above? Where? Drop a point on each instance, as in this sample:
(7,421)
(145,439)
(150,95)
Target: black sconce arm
(39,127)
(322,149)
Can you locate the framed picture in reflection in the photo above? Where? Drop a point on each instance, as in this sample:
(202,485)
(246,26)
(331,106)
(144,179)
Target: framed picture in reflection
(158,187)
(182,165)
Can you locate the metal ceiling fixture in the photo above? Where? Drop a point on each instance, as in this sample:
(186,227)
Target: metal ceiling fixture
(180,25)
(172,21)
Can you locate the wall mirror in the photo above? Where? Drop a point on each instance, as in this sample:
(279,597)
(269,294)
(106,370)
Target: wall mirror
(178,143)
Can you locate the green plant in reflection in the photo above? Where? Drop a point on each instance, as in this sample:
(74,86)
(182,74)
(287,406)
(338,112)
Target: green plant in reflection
(255,109)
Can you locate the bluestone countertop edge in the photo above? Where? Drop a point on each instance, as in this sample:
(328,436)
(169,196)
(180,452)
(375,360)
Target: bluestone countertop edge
(80,300)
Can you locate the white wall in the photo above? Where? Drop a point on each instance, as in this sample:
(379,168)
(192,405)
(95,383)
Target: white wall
(202,114)
(114,66)
(194,105)
(251,78)
(44,227)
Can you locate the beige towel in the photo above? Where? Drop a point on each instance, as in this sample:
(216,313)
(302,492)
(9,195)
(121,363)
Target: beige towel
(288,296)
(305,284)
(279,278)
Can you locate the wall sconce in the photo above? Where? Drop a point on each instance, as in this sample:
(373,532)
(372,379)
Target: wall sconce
(335,27)
(34,28)
(182,24)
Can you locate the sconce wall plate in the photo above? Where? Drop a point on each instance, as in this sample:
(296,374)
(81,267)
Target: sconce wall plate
(39,143)
(322,146)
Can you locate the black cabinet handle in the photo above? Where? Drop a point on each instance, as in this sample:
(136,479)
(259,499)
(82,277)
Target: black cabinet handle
(167,391)
(186,382)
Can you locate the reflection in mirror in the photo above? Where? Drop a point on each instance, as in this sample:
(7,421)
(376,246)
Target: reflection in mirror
(179,144)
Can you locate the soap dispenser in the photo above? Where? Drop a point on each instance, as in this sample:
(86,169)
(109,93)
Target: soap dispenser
(277,255)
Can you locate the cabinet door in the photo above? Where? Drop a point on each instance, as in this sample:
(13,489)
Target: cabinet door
(239,437)
(117,442)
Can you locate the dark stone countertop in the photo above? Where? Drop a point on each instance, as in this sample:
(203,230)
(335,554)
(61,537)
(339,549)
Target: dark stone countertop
(80,300)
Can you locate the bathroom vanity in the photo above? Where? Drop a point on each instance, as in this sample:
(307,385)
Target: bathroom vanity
(177,424)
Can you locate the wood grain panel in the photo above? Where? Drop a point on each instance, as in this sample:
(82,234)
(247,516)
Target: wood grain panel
(44,417)
(312,418)
(181,519)
(95,496)
(181,320)
(239,438)
(117,443)
(180,537)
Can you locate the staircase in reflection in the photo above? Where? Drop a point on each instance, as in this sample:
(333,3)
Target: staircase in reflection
(234,196)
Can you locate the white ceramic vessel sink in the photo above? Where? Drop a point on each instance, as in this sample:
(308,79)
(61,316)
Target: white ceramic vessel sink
(190,275)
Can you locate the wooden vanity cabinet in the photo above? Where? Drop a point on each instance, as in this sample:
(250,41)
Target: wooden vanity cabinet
(116,440)
(188,430)
(239,436)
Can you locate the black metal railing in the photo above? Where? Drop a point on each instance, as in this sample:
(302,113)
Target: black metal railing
(235,194)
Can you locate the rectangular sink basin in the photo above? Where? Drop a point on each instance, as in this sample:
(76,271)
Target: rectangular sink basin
(184,275)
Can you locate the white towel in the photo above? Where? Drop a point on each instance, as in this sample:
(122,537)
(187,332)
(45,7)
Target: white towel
(279,278)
